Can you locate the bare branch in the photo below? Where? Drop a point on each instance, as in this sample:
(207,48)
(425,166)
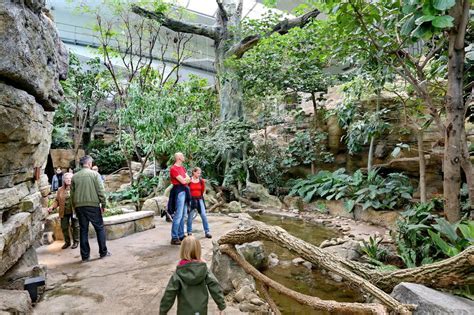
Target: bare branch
(222,11)
(281,28)
(178,26)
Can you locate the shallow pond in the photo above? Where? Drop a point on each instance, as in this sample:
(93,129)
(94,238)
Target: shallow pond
(300,278)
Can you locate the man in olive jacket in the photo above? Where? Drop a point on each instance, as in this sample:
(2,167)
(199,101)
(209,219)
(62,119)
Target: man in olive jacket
(88,200)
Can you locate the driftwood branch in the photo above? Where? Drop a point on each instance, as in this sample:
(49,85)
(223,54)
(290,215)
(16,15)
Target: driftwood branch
(263,288)
(178,26)
(311,301)
(281,28)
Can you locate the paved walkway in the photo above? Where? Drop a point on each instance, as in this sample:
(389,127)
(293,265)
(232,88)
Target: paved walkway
(131,281)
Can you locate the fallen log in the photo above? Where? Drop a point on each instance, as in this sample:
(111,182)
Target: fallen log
(454,271)
(311,301)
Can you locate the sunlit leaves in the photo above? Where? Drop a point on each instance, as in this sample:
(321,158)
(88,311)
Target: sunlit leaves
(443,21)
(443,4)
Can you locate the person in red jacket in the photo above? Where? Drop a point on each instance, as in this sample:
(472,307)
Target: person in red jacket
(197,185)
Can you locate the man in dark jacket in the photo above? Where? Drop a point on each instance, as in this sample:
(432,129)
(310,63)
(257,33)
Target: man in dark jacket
(88,200)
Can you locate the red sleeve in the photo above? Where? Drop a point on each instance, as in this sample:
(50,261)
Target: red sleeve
(203,186)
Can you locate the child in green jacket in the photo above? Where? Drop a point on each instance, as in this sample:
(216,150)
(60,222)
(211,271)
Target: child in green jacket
(190,283)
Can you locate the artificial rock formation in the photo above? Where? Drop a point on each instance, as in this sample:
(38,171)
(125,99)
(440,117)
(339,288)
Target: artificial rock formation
(32,61)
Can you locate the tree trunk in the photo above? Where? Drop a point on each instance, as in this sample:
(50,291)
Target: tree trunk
(467,168)
(454,271)
(371,154)
(330,306)
(455,110)
(228,82)
(311,253)
(421,165)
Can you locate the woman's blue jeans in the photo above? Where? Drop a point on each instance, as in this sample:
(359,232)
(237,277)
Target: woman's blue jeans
(205,224)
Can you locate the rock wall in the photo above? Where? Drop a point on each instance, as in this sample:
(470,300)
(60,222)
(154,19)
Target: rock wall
(32,61)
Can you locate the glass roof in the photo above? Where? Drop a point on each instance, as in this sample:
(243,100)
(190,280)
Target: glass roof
(251,9)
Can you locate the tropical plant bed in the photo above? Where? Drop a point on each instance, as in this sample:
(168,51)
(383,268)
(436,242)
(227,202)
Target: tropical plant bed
(116,226)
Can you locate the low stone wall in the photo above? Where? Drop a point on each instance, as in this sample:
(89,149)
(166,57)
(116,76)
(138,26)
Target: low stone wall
(386,219)
(116,226)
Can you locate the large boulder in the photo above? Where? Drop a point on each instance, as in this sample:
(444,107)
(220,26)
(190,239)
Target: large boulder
(349,250)
(113,182)
(232,207)
(156,204)
(15,302)
(254,253)
(226,270)
(25,135)
(63,157)
(33,56)
(26,267)
(260,194)
(430,301)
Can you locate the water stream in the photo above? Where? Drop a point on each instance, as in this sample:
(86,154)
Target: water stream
(300,278)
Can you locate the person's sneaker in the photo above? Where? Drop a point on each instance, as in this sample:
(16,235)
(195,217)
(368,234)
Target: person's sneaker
(85,259)
(106,255)
(175,242)
(208,235)
(66,245)
(74,245)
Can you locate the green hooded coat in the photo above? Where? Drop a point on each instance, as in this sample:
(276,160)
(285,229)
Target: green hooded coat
(190,283)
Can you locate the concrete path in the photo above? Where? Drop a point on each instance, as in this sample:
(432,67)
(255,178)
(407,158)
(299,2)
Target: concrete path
(131,281)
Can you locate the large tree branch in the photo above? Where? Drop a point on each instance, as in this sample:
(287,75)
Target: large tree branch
(178,26)
(281,28)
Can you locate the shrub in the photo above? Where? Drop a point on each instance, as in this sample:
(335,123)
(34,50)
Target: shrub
(373,249)
(137,190)
(371,190)
(422,237)
(108,157)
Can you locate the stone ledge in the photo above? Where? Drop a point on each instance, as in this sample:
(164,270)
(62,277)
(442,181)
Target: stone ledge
(116,226)
(126,217)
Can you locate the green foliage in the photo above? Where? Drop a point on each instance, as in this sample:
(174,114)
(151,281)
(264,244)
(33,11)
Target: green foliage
(307,147)
(371,190)
(414,245)
(139,189)
(291,62)
(265,162)
(324,184)
(61,138)
(108,157)
(373,249)
(422,237)
(449,240)
(161,120)
(369,125)
(112,211)
(85,92)
(226,142)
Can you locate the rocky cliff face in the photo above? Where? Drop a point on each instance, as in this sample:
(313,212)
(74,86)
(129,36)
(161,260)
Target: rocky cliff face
(32,61)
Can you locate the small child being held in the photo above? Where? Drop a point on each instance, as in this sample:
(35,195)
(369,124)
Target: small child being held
(191,282)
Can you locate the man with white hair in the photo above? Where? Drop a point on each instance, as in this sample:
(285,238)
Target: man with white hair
(179,198)
(88,198)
